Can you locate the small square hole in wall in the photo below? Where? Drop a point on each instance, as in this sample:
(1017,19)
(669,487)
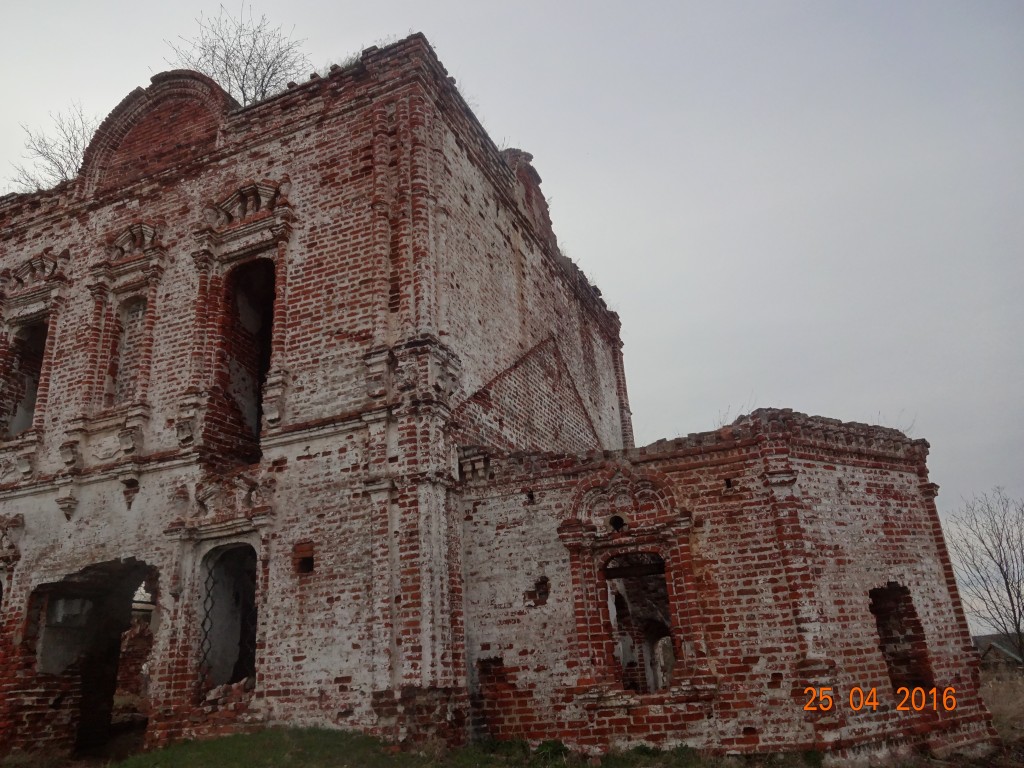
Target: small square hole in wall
(303,559)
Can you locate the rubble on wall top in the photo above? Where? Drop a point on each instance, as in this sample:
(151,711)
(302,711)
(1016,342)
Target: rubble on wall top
(776,419)
(853,436)
(744,432)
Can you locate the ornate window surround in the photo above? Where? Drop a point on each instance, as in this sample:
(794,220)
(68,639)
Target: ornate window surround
(253,222)
(132,270)
(651,522)
(30,292)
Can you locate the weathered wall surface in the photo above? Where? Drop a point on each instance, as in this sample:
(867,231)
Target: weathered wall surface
(774,532)
(504,289)
(166,470)
(314,375)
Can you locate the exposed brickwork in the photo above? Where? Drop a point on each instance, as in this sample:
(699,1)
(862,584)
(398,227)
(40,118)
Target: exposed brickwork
(136,646)
(126,359)
(774,533)
(334,329)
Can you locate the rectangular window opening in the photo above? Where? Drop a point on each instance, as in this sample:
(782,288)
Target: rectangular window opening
(640,616)
(245,361)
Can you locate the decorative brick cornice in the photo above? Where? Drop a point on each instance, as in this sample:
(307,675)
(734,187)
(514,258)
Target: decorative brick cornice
(252,219)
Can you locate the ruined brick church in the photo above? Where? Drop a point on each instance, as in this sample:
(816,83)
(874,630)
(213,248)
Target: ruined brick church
(305,419)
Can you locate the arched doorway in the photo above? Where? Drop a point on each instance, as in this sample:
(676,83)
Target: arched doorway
(229,621)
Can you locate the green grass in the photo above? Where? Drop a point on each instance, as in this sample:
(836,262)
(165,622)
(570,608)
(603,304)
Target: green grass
(312,748)
(277,748)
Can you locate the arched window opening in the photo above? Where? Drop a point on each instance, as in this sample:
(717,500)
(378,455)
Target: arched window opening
(248,331)
(24,370)
(228,647)
(901,637)
(126,362)
(639,611)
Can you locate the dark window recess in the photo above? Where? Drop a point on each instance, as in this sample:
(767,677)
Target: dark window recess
(228,646)
(21,375)
(245,362)
(303,558)
(641,621)
(901,637)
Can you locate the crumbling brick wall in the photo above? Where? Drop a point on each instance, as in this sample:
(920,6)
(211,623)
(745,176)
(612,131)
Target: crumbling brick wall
(172,439)
(775,533)
(413,310)
(136,647)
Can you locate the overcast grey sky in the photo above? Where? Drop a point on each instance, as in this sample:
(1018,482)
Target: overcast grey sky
(815,205)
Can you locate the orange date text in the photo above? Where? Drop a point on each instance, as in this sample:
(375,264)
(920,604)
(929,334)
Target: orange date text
(915,699)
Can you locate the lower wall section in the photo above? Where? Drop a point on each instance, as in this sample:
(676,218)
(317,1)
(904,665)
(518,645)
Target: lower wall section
(729,591)
(698,715)
(417,715)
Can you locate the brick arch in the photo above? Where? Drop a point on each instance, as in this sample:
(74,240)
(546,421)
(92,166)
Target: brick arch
(177,118)
(646,496)
(658,550)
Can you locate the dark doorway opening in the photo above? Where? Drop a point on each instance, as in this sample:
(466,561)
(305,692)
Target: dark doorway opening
(92,640)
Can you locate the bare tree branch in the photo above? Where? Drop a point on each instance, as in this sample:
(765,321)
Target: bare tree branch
(986,541)
(56,156)
(248,57)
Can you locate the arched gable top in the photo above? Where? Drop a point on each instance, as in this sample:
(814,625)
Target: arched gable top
(178,117)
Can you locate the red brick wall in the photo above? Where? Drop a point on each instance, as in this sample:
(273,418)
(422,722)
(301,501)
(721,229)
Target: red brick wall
(174,132)
(136,646)
(506,294)
(420,307)
(789,525)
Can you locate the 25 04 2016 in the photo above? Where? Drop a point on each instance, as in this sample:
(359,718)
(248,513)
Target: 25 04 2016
(916,699)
